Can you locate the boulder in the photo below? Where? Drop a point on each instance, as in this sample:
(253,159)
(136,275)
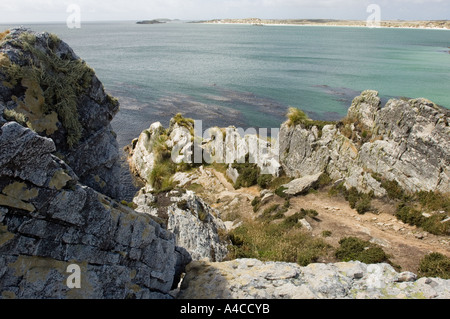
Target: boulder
(301,185)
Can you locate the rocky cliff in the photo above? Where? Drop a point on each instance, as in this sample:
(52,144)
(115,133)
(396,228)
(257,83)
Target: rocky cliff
(404,141)
(46,87)
(59,186)
(58,163)
(195,224)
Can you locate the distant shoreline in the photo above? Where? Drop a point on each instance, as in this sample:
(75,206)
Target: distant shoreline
(425,25)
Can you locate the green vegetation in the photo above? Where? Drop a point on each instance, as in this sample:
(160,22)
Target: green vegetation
(296,117)
(280,192)
(292,221)
(393,189)
(129,204)
(161,176)
(410,207)
(435,265)
(277,182)
(359,201)
(326,233)
(433,224)
(352,248)
(433,201)
(12,115)
(185,122)
(264,181)
(324,180)
(248,174)
(282,241)
(273,212)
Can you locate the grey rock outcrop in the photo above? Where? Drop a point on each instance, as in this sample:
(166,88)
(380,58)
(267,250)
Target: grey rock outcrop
(48,221)
(228,145)
(58,163)
(142,157)
(405,141)
(253,279)
(194,223)
(301,185)
(45,86)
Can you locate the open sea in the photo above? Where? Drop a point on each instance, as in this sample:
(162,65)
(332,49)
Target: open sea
(247,76)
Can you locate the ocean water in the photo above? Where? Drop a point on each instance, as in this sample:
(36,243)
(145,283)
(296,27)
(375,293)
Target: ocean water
(248,76)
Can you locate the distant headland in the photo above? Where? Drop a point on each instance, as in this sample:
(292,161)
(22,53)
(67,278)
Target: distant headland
(157,21)
(432,24)
(150,22)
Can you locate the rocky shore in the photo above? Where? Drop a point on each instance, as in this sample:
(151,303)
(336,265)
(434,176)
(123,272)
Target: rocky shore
(60,197)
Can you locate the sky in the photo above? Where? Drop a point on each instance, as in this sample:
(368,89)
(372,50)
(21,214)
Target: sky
(13,11)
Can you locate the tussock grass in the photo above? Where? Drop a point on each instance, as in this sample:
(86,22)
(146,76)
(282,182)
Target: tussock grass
(4,34)
(296,117)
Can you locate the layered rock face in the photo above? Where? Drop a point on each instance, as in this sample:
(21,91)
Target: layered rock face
(48,221)
(405,141)
(195,224)
(61,238)
(250,278)
(45,86)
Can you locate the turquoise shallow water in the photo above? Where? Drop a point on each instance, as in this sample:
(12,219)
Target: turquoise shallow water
(247,76)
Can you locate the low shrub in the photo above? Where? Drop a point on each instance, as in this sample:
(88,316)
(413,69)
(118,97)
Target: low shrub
(363,205)
(435,265)
(324,180)
(433,201)
(273,212)
(248,175)
(296,117)
(353,249)
(256,201)
(280,192)
(414,217)
(360,201)
(264,180)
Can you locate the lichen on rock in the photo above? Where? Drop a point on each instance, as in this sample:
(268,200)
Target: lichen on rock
(46,87)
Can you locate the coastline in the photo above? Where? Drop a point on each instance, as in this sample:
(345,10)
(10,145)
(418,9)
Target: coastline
(358,24)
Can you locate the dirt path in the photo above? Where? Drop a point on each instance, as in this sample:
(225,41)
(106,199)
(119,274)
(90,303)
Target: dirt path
(405,244)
